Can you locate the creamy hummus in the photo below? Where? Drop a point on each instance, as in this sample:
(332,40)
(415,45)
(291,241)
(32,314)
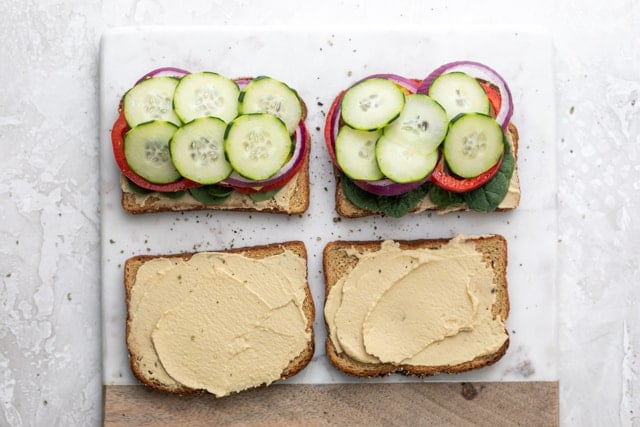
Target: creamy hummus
(236,200)
(423,307)
(219,322)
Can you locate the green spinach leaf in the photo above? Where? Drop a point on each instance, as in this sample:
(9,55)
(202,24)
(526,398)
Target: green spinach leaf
(488,197)
(393,206)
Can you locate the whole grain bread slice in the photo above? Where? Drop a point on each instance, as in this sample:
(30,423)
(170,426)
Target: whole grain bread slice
(337,263)
(346,209)
(134,263)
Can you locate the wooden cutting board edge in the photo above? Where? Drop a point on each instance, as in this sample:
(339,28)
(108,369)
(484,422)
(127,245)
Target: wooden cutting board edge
(477,403)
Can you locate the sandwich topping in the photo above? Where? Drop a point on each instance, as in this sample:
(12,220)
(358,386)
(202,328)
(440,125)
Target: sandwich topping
(220,322)
(429,307)
(396,141)
(209,135)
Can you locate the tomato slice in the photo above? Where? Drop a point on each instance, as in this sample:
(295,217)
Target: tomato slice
(118,131)
(445,180)
(494,96)
(328,127)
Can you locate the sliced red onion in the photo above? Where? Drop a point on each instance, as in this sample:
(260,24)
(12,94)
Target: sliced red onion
(299,150)
(386,187)
(243,81)
(479,71)
(410,85)
(164,72)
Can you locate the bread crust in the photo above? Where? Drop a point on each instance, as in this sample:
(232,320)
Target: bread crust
(346,209)
(336,264)
(298,202)
(132,265)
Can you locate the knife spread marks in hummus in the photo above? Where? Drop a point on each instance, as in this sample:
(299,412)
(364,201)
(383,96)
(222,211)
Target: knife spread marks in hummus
(221,322)
(427,307)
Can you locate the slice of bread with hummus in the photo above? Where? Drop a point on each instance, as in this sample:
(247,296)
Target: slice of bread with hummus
(219,322)
(420,307)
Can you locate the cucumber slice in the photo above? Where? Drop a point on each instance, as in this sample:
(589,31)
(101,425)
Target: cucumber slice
(151,99)
(257,145)
(372,104)
(459,93)
(422,121)
(268,95)
(405,161)
(197,150)
(356,153)
(206,94)
(146,149)
(474,144)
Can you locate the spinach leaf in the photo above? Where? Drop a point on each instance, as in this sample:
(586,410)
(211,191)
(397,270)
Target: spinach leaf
(443,198)
(261,196)
(488,197)
(210,194)
(393,206)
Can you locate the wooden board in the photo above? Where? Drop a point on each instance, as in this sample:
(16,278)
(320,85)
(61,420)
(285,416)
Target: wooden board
(478,404)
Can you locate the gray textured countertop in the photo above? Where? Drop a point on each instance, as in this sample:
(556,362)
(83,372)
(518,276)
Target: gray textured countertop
(50,351)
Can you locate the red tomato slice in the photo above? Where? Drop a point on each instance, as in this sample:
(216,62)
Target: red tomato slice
(120,127)
(328,127)
(494,96)
(444,180)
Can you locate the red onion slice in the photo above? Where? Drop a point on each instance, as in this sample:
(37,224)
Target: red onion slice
(480,71)
(386,187)
(410,85)
(299,150)
(164,72)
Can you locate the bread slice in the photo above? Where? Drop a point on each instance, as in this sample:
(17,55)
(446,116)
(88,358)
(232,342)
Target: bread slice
(293,197)
(337,263)
(148,375)
(346,209)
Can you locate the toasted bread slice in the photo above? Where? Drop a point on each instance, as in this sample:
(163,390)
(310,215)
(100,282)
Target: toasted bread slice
(339,260)
(346,209)
(150,371)
(292,198)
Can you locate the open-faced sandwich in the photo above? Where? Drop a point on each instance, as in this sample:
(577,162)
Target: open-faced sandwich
(419,307)
(193,141)
(443,143)
(219,322)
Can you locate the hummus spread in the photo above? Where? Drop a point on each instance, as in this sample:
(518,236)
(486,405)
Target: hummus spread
(427,307)
(236,200)
(220,322)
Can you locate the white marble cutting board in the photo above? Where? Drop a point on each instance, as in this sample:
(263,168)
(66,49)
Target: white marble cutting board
(319,62)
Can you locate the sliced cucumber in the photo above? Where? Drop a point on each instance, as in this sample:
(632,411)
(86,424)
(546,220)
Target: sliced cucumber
(459,93)
(268,95)
(197,150)
(151,99)
(474,144)
(372,104)
(257,145)
(422,121)
(404,161)
(146,149)
(206,94)
(356,153)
